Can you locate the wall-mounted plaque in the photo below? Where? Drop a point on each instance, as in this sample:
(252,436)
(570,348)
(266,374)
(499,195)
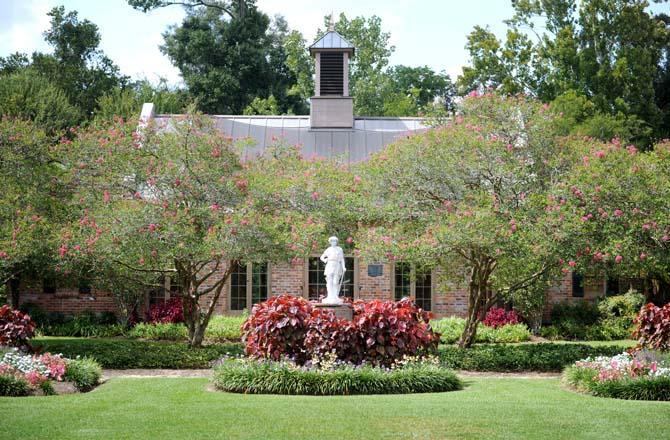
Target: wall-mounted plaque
(375,270)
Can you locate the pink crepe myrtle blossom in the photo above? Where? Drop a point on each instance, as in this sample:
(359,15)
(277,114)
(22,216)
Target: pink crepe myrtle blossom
(618,259)
(600,154)
(643,256)
(618,213)
(315,195)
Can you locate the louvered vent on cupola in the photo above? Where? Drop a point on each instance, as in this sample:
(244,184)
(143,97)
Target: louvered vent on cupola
(331,105)
(332,74)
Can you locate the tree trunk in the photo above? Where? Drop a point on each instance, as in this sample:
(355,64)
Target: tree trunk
(479,299)
(197,316)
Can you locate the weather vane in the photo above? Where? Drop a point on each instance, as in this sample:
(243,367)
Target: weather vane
(331,24)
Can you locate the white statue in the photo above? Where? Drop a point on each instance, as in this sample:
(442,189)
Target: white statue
(334,272)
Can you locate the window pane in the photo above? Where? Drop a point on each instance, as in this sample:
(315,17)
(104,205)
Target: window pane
(316,278)
(402,281)
(348,281)
(238,287)
(259,282)
(423,290)
(577,285)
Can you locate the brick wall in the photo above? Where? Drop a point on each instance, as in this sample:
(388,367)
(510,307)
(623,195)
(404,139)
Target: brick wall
(450,296)
(374,287)
(288,277)
(66,300)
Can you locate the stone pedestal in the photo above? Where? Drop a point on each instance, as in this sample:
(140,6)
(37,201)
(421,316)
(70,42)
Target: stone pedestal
(341,311)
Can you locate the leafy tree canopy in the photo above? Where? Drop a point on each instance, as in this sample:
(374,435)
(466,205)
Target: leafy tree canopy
(608,51)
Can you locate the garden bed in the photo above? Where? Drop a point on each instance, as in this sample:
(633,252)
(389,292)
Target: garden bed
(46,374)
(251,376)
(624,376)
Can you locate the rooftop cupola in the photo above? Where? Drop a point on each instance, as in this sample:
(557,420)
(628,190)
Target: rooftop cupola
(331,105)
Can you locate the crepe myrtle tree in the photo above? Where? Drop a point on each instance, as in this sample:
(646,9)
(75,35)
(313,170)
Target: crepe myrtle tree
(174,201)
(616,204)
(469,196)
(31,202)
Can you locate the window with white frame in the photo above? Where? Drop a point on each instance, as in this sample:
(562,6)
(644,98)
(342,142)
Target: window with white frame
(249,285)
(408,282)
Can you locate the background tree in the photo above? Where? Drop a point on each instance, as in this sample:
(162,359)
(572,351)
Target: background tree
(469,197)
(127,102)
(230,53)
(608,51)
(26,94)
(76,67)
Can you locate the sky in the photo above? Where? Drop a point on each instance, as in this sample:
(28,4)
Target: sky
(424,32)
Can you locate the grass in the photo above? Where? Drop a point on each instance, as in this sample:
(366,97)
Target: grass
(182,408)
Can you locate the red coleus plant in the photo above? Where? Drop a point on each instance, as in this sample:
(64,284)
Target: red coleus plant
(498,317)
(653,327)
(389,330)
(276,328)
(381,332)
(16,328)
(171,311)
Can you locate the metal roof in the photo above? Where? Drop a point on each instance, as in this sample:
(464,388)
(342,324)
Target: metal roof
(332,40)
(368,135)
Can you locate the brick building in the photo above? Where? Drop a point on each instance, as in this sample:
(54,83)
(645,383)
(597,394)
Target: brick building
(331,130)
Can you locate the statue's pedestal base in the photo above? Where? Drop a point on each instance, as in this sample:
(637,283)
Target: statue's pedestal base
(341,311)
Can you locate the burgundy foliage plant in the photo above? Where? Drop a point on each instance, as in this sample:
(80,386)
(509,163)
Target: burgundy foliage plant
(381,332)
(276,328)
(16,328)
(170,311)
(653,327)
(498,317)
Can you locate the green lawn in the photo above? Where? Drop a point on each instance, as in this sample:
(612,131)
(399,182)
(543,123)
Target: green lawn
(182,408)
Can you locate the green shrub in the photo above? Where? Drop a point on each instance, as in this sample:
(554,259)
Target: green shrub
(159,331)
(269,377)
(225,328)
(125,354)
(85,373)
(77,328)
(13,386)
(220,329)
(579,313)
(521,357)
(613,319)
(452,328)
(47,388)
(618,312)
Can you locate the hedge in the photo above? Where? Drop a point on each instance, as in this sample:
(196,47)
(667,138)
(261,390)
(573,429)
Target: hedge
(520,357)
(125,354)
(270,377)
